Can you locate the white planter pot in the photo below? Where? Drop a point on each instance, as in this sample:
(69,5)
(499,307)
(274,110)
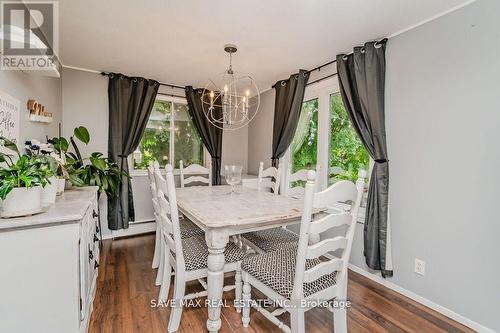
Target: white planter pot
(49,192)
(22,201)
(61,182)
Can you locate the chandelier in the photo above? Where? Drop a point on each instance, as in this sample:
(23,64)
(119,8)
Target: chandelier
(231,100)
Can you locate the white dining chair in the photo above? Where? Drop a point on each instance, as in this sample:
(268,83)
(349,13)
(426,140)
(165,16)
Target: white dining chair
(267,240)
(188,256)
(195,173)
(298,277)
(269,179)
(187,227)
(151,178)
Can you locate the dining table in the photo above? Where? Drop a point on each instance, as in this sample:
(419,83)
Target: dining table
(222,215)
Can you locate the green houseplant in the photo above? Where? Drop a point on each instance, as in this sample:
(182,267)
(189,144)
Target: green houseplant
(21,182)
(95,170)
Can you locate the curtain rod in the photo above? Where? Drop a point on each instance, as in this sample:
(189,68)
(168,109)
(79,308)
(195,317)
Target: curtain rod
(161,83)
(318,68)
(171,95)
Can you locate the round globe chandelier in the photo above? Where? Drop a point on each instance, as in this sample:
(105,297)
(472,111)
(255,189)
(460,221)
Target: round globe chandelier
(230,100)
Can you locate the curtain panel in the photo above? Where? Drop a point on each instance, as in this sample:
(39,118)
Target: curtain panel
(362,85)
(287,106)
(210,135)
(130,102)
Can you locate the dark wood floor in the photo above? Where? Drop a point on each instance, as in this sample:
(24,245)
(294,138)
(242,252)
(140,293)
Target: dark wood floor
(126,287)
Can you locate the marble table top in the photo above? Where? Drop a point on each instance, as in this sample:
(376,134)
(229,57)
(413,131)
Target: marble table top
(212,206)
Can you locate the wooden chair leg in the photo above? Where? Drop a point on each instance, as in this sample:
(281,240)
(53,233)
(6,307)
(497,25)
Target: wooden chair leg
(159,273)
(176,310)
(297,320)
(156,255)
(245,318)
(340,320)
(165,284)
(340,313)
(238,290)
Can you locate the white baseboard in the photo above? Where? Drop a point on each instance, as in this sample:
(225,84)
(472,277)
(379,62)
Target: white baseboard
(417,298)
(136,228)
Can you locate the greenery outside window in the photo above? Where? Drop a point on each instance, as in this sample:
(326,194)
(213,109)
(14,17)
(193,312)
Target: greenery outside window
(304,147)
(169,137)
(346,152)
(324,139)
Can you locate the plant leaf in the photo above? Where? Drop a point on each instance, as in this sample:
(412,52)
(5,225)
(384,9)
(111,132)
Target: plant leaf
(98,163)
(82,134)
(9,144)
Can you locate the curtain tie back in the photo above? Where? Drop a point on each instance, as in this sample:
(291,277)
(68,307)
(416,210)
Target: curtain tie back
(383,160)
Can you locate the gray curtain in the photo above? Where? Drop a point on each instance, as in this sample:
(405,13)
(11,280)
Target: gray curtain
(210,135)
(130,102)
(287,106)
(362,86)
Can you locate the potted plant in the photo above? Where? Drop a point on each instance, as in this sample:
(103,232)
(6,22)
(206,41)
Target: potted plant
(96,170)
(45,154)
(21,183)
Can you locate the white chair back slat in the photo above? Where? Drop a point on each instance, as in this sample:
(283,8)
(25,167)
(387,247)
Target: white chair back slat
(326,267)
(151,172)
(295,182)
(194,179)
(330,221)
(269,179)
(174,217)
(328,245)
(341,193)
(299,175)
(160,182)
(195,173)
(166,222)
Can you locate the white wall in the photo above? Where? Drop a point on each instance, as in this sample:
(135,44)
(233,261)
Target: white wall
(260,134)
(45,90)
(85,103)
(442,118)
(235,148)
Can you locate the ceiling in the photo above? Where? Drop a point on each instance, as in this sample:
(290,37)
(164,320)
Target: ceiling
(182,41)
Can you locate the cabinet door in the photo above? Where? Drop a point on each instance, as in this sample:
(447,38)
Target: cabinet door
(84,253)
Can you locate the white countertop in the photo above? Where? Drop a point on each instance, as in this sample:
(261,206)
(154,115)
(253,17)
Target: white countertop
(69,208)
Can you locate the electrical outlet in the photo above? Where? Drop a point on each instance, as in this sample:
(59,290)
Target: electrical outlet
(419,266)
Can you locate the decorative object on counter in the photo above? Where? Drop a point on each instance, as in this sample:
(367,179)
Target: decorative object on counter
(21,182)
(47,156)
(38,113)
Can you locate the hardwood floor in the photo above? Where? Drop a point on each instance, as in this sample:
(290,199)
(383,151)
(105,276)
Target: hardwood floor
(126,289)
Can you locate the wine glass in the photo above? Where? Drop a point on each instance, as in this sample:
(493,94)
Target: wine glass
(232,173)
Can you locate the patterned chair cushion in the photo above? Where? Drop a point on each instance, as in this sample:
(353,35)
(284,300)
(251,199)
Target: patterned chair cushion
(271,239)
(276,269)
(189,229)
(196,253)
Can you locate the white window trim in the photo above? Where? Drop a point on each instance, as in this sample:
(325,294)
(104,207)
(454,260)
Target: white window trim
(143,172)
(321,91)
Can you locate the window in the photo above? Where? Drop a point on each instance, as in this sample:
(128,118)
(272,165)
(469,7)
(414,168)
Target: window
(325,137)
(169,137)
(346,152)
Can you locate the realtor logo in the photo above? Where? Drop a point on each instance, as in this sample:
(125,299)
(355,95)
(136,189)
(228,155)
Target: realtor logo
(29,35)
